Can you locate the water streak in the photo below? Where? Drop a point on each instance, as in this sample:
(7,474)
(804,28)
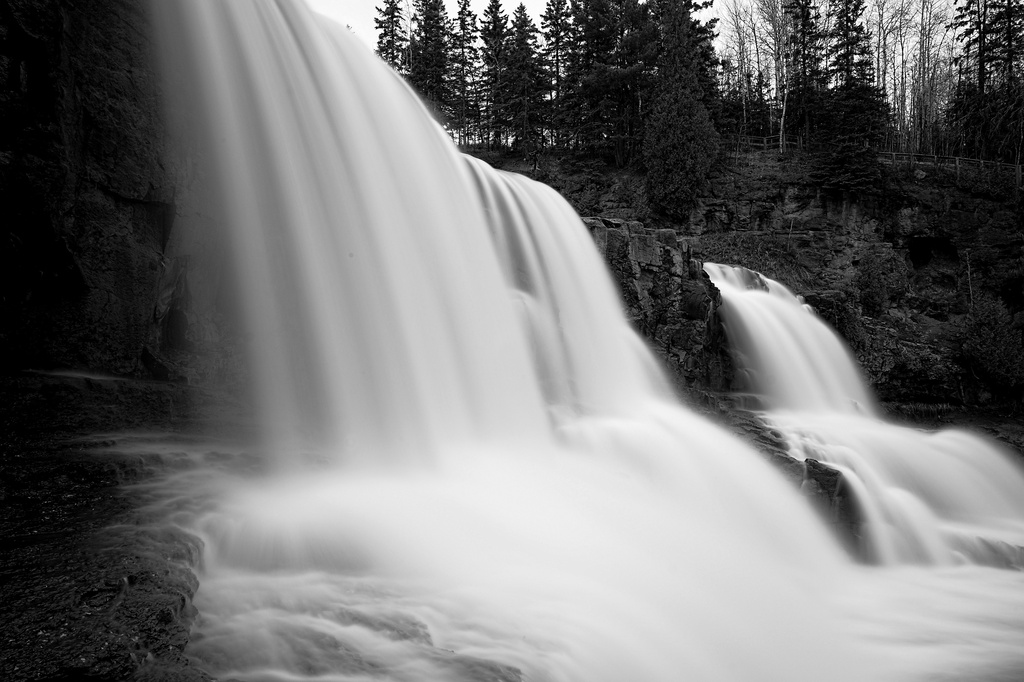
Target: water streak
(940,498)
(500,485)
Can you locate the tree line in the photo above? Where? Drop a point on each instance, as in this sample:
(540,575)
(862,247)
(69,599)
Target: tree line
(645,82)
(584,79)
(922,76)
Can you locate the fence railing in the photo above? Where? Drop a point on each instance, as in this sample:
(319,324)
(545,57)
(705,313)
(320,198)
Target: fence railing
(954,162)
(790,142)
(764,142)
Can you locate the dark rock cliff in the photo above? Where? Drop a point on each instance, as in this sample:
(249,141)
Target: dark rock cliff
(91,278)
(106,262)
(668,298)
(924,280)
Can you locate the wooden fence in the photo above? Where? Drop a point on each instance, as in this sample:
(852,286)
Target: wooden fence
(955,163)
(764,143)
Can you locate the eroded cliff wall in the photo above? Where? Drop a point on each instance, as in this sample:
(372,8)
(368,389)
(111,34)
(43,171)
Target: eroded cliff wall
(924,279)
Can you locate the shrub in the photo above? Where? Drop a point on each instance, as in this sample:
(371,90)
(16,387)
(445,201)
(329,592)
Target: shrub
(993,346)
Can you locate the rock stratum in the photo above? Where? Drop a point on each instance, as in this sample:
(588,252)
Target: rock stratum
(924,278)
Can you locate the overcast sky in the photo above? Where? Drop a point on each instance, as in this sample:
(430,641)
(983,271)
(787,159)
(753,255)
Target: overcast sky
(359,14)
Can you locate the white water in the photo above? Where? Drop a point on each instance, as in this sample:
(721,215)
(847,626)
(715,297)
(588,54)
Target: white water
(478,472)
(941,498)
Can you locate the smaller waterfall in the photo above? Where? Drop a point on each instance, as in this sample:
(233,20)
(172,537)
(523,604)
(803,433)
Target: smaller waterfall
(940,498)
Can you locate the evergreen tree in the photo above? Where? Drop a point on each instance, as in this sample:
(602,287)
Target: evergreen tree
(629,78)
(1007,42)
(845,121)
(706,64)
(429,51)
(494,57)
(680,142)
(392,39)
(525,84)
(973,23)
(464,70)
(806,83)
(849,45)
(593,41)
(556,27)
(986,113)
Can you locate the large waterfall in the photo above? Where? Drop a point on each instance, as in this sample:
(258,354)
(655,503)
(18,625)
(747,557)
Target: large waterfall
(476,469)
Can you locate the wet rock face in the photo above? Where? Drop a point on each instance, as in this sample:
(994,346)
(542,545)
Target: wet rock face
(83,600)
(827,488)
(84,183)
(668,298)
(898,275)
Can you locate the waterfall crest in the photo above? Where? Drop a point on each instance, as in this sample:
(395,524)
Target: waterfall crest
(360,340)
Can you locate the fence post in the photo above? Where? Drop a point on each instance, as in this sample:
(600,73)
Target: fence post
(958,170)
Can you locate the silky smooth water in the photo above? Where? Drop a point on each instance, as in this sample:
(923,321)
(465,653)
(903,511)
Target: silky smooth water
(472,468)
(932,497)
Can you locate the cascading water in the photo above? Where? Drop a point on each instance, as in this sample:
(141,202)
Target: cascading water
(481,473)
(940,497)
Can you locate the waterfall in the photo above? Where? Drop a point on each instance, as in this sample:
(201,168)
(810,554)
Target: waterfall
(477,470)
(939,498)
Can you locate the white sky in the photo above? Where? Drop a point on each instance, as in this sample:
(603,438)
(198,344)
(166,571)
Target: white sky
(359,14)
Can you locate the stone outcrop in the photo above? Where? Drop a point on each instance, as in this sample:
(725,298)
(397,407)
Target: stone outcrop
(94,274)
(668,298)
(906,276)
(88,204)
(898,274)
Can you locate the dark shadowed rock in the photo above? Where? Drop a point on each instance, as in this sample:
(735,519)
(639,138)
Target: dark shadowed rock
(827,487)
(84,599)
(668,298)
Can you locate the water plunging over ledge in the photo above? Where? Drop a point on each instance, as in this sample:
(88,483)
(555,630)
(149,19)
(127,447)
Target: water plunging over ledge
(941,498)
(474,469)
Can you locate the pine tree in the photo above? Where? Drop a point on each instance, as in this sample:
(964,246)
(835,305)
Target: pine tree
(987,109)
(429,67)
(856,114)
(494,57)
(525,84)
(849,45)
(973,23)
(629,78)
(805,66)
(392,39)
(680,142)
(1007,42)
(587,102)
(464,70)
(556,27)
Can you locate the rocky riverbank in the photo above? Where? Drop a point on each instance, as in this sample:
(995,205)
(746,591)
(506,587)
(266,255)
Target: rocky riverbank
(92,588)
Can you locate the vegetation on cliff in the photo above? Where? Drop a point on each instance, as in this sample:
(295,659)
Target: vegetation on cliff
(677,157)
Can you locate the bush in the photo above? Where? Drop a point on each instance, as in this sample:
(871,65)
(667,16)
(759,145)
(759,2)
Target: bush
(881,278)
(993,346)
